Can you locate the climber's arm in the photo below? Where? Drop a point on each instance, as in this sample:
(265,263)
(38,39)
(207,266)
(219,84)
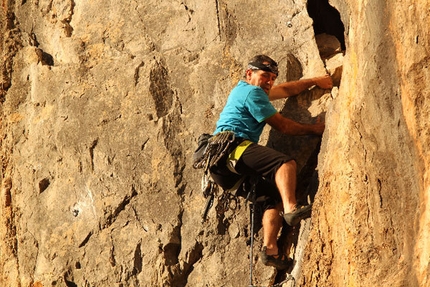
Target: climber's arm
(290,127)
(293,88)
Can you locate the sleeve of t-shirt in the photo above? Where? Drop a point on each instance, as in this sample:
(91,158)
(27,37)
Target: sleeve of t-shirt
(259,105)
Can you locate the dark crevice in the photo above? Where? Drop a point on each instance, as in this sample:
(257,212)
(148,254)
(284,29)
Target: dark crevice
(91,149)
(218,17)
(326,20)
(68,279)
(43,184)
(45,58)
(181,279)
(85,241)
(70,283)
(160,90)
(138,260)
(121,207)
(137,73)
(173,248)
(68,29)
(171,253)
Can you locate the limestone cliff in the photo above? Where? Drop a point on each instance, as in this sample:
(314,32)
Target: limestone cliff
(371,220)
(101,106)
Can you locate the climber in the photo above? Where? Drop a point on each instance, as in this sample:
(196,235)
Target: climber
(246,112)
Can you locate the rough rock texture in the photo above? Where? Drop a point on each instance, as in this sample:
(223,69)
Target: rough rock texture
(371,219)
(101,106)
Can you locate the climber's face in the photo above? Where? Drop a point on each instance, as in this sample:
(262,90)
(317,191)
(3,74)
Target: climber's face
(260,78)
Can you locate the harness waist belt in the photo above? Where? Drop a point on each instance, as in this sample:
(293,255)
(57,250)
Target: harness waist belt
(235,155)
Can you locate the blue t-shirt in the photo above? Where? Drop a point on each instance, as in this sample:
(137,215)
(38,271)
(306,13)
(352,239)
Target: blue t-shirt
(245,111)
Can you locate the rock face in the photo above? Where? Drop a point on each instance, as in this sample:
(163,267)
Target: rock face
(102,104)
(371,219)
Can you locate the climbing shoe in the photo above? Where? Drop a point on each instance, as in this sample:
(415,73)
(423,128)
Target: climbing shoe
(300,212)
(280,262)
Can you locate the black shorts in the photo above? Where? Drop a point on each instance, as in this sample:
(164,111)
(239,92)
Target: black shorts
(262,162)
(257,162)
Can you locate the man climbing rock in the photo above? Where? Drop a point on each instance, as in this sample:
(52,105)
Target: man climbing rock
(247,111)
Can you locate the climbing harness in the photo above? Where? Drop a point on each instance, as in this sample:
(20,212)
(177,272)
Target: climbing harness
(216,148)
(235,155)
